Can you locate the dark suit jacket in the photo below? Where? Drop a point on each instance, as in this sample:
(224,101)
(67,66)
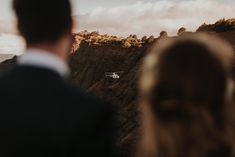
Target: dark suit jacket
(42,115)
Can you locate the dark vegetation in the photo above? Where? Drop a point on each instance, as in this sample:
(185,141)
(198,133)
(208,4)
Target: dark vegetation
(222,25)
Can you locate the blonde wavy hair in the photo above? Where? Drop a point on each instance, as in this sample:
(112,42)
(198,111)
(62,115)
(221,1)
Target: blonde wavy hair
(186,95)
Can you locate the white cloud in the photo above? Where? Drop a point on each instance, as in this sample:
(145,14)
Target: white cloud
(6,11)
(11,44)
(146,18)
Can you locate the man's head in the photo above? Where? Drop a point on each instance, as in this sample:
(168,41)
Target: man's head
(43,21)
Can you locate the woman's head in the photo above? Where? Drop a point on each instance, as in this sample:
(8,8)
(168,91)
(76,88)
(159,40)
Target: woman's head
(183,87)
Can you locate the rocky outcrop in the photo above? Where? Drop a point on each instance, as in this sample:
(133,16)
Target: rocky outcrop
(94,38)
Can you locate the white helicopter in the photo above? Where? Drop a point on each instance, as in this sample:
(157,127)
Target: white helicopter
(114,75)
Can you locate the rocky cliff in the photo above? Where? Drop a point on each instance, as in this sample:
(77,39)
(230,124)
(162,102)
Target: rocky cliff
(92,68)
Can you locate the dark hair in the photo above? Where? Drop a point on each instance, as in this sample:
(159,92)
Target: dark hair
(185,98)
(43,20)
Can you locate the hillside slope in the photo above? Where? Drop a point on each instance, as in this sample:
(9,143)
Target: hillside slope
(92,59)
(89,65)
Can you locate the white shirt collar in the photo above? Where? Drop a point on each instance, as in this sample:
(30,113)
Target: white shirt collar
(44,59)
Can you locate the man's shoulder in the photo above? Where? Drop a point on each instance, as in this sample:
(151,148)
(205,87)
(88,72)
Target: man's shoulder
(48,83)
(6,75)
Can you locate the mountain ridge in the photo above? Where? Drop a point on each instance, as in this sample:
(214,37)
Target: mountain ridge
(93,55)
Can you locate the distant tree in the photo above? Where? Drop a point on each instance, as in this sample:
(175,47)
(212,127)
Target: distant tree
(115,37)
(95,33)
(85,33)
(181,31)
(144,38)
(221,21)
(139,45)
(93,40)
(204,24)
(134,36)
(163,34)
(126,44)
(150,39)
(129,39)
(81,34)
(106,35)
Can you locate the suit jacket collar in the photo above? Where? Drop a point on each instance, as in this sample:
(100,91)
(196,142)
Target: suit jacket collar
(44,60)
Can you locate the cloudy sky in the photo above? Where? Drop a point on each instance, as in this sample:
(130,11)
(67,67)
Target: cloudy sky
(124,17)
